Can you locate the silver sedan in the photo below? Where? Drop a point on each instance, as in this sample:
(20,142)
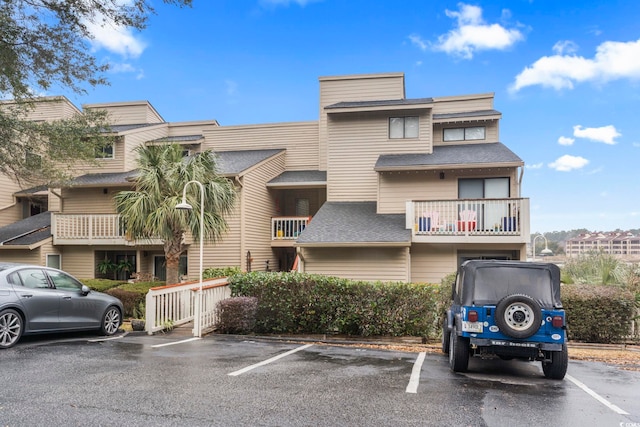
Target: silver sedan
(36,299)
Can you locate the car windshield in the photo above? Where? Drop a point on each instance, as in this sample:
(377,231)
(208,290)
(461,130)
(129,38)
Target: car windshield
(494,283)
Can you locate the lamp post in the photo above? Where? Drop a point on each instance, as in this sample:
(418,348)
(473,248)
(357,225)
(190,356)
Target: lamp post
(545,251)
(197,323)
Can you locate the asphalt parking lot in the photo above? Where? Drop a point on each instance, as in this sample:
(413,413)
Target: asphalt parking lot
(134,379)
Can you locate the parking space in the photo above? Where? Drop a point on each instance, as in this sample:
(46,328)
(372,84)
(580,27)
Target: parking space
(226,380)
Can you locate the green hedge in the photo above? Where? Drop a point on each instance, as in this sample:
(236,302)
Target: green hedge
(598,314)
(132,296)
(313,304)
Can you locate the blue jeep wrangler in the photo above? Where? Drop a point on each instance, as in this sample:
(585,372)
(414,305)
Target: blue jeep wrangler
(507,309)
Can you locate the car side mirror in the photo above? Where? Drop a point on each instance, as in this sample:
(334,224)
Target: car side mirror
(85,290)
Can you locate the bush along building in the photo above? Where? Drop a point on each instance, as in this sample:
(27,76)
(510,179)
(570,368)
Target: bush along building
(379,187)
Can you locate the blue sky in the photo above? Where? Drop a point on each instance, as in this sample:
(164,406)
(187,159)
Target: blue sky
(566,77)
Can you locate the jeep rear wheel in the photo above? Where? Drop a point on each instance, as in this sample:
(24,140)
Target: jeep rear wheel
(557,368)
(518,316)
(458,351)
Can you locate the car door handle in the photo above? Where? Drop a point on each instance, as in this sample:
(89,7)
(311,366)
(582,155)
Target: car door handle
(27,296)
(66,297)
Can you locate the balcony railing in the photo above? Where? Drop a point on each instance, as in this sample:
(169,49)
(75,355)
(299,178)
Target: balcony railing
(469,217)
(288,227)
(92,229)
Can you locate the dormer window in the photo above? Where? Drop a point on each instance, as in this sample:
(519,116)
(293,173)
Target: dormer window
(403,127)
(464,134)
(105,151)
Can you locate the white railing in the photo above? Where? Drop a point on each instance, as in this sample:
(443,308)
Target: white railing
(288,227)
(468,217)
(175,305)
(93,227)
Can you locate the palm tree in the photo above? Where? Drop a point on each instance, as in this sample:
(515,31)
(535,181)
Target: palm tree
(150,211)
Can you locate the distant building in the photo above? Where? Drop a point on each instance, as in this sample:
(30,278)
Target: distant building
(615,243)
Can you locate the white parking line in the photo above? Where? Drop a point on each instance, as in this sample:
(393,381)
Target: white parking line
(265,362)
(596,396)
(175,342)
(108,338)
(412,387)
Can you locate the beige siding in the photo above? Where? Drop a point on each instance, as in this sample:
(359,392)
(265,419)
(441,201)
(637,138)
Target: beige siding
(491,132)
(299,139)
(80,261)
(398,187)
(89,200)
(463,104)
(123,113)
(430,263)
(134,140)
(354,88)
(224,253)
(10,211)
(48,109)
(257,211)
(355,143)
(191,128)
(25,256)
(370,264)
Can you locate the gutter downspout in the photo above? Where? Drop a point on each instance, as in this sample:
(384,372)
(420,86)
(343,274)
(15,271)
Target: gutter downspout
(242,221)
(301,263)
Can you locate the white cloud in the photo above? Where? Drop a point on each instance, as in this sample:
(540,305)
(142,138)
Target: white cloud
(606,134)
(473,34)
(126,68)
(612,61)
(636,144)
(565,46)
(563,140)
(568,163)
(115,39)
(416,40)
(535,166)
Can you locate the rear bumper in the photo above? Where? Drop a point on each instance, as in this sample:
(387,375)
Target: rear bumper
(497,345)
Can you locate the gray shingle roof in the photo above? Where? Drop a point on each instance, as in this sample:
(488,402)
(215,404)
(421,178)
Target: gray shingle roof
(180,138)
(27,231)
(124,128)
(466,114)
(354,223)
(450,155)
(309,177)
(96,179)
(235,162)
(31,191)
(380,103)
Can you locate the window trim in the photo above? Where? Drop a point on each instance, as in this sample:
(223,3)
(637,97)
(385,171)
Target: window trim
(404,127)
(464,133)
(101,154)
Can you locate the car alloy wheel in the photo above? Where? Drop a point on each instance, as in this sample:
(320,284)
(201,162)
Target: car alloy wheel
(10,328)
(111,321)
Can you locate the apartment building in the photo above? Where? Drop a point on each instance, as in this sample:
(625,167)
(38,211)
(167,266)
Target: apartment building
(621,244)
(379,187)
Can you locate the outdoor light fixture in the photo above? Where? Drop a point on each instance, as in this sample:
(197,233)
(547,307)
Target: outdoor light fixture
(197,322)
(545,251)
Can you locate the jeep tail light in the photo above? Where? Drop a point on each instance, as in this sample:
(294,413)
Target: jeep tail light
(557,321)
(473,316)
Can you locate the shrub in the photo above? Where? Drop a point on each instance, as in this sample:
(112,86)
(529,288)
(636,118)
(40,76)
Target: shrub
(305,303)
(132,295)
(237,315)
(214,272)
(101,285)
(599,314)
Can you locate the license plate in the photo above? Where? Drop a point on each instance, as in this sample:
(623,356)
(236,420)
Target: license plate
(475,327)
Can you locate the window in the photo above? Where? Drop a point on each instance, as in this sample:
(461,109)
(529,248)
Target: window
(403,127)
(53,260)
(64,282)
(105,151)
(464,134)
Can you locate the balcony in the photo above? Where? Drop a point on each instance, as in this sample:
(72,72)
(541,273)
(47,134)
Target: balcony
(93,229)
(285,229)
(469,221)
